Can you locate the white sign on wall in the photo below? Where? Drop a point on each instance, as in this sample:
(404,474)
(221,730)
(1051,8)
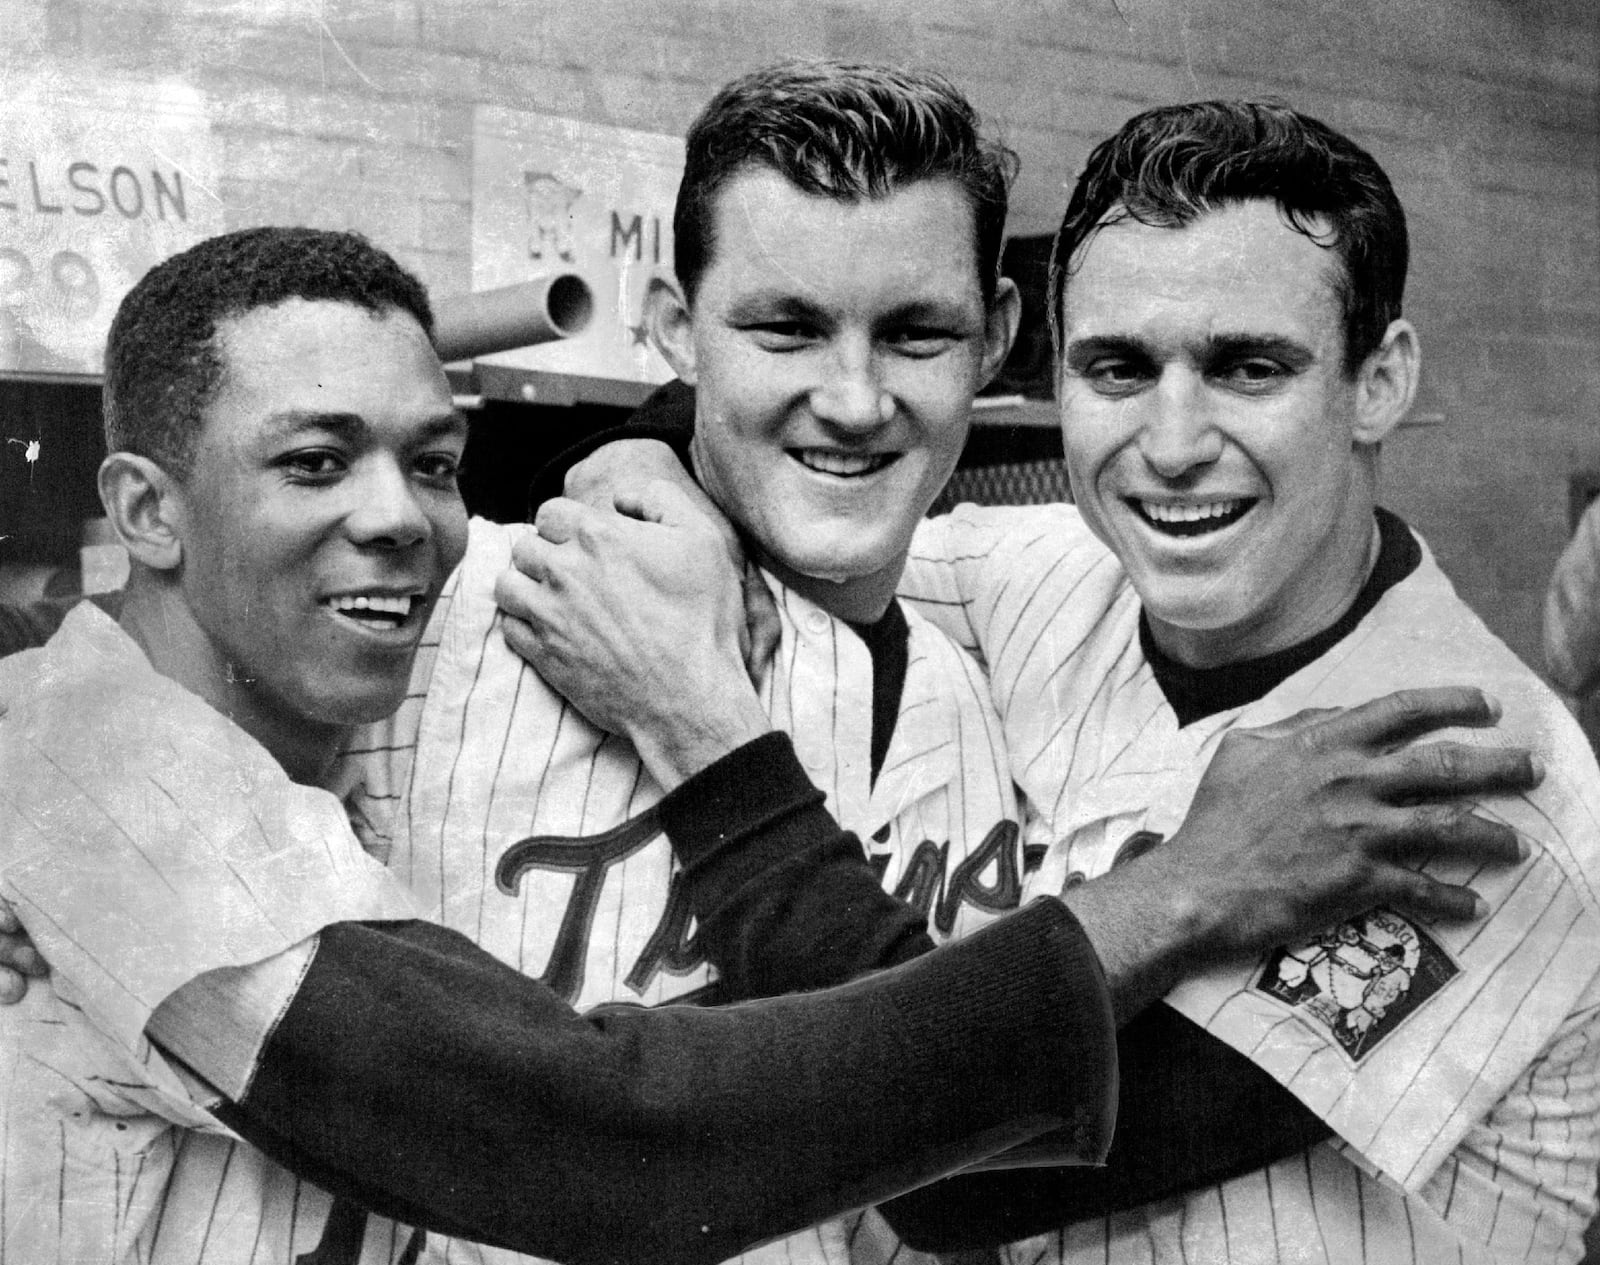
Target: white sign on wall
(557,195)
(98,182)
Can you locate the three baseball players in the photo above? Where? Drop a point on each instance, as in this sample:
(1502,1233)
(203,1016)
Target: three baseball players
(829,372)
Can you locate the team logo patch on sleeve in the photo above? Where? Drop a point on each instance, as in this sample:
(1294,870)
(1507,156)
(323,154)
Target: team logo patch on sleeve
(1361,980)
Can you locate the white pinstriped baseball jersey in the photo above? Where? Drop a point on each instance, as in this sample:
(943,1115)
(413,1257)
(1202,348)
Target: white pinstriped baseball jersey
(530,831)
(125,796)
(1459,1066)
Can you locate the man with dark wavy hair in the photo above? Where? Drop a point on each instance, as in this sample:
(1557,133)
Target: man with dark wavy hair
(1227,293)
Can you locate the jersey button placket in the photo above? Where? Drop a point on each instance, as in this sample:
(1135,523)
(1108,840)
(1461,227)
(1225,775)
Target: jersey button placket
(812,739)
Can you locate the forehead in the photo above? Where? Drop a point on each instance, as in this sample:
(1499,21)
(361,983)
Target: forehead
(918,241)
(323,357)
(1238,269)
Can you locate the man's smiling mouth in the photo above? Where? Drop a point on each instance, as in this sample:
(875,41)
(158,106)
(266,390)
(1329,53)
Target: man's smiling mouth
(1194,518)
(844,465)
(375,610)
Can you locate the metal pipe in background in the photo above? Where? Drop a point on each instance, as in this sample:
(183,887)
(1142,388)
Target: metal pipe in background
(560,305)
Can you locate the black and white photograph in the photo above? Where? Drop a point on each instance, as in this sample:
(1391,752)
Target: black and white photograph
(799,632)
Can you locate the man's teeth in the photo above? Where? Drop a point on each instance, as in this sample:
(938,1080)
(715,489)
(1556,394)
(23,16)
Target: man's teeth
(374,604)
(1189,513)
(842,463)
(1197,518)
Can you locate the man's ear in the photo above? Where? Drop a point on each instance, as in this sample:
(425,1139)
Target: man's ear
(1386,383)
(667,317)
(1000,327)
(143,503)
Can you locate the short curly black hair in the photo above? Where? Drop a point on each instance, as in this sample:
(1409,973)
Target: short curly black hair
(1168,166)
(162,360)
(843,130)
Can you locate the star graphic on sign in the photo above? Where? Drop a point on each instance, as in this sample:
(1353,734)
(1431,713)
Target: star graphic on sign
(641,335)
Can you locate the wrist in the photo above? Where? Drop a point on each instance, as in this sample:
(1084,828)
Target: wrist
(708,726)
(1149,929)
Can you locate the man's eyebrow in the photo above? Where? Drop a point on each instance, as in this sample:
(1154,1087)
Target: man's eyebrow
(935,309)
(1221,346)
(349,426)
(291,422)
(1080,351)
(766,304)
(1232,346)
(452,423)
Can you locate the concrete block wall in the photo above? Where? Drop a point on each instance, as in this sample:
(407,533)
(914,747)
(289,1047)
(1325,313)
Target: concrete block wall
(1486,113)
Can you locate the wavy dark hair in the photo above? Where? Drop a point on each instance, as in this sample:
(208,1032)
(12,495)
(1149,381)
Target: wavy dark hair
(162,361)
(1168,166)
(843,130)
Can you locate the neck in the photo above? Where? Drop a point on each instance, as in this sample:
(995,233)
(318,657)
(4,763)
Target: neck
(157,618)
(858,600)
(1339,585)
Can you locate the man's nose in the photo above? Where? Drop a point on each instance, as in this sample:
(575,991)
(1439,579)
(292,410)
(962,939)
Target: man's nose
(1179,427)
(387,511)
(852,395)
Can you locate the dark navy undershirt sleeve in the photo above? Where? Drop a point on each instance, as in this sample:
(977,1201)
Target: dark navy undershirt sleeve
(787,900)
(802,908)
(420,1077)
(1191,1112)
(784,898)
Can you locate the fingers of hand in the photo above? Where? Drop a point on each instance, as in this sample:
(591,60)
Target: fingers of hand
(516,593)
(594,481)
(560,519)
(524,641)
(16,950)
(1453,832)
(1449,769)
(1406,714)
(13,987)
(18,954)
(674,504)
(1429,899)
(524,602)
(659,502)
(587,479)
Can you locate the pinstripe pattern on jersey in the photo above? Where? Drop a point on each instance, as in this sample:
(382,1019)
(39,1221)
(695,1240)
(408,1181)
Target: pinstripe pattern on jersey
(499,758)
(1483,1104)
(92,1165)
(196,827)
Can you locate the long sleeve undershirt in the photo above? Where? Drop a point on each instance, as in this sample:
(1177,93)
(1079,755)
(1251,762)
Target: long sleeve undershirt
(776,917)
(420,1077)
